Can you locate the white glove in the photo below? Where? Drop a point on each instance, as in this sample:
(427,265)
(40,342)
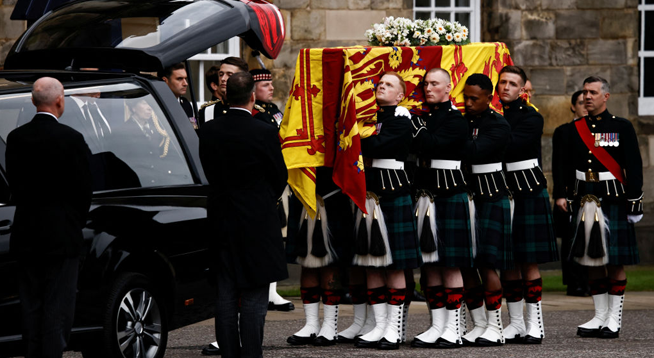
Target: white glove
(634,218)
(401,111)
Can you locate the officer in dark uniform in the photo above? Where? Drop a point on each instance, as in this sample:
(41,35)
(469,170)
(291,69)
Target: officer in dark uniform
(218,107)
(487,142)
(217,103)
(264,108)
(532,232)
(575,276)
(442,193)
(608,169)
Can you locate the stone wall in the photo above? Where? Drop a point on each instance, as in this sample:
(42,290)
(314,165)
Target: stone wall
(561,42)
(10,30)
(324,23)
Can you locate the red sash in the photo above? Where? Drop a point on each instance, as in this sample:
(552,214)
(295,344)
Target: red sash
(600,153)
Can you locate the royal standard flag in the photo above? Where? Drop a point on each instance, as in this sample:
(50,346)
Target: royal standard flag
(332,104)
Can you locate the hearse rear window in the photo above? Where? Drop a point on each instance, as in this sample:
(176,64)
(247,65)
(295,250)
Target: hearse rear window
(128,134)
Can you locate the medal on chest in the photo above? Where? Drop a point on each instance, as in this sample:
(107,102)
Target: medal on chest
(475,133)
(607,139)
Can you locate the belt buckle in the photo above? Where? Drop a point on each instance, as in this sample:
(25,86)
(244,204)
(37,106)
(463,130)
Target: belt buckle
(592,177)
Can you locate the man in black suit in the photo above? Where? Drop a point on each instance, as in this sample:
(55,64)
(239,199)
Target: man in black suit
(50,214)
(242,160)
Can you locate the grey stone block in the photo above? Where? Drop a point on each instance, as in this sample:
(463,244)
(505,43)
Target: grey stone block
(329,4)
(575,76)
(292,4)
(538,25)
(558,4)
(548,80)
(568,52)
(618,104)
(358,4)
(518,4)
(505,25)
(619,24)
(546,152)
(624,79)
(555,111)
(611,52)
(387,4)
(600,4)
(632,52)
(307,25)
(531,53)
(577,24)
(10,29)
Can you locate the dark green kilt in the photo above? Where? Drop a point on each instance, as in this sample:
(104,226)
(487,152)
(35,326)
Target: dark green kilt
(401,226)
(454,232)
(494,247)
(622,245)
(340,222)
(532,232)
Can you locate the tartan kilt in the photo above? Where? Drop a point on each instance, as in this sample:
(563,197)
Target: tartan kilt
(340,221)
(402,237)
(494,247)
(454,233)
(532,233)
(622,245)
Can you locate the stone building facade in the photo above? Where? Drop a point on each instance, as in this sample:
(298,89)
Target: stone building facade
(9,30)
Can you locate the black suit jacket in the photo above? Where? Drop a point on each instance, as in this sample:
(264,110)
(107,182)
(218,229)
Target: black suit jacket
(242,160)
(50,181)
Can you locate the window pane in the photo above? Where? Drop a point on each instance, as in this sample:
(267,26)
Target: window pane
(649,1)
(423,3)
(648,77)
(462,3)
(463,18)
(423,15)
(443,15)
(129,136)
(443,3)
(649,36)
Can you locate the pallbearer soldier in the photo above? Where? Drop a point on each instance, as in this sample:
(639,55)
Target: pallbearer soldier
(532,233)
(608,201)
(489,135)
(321,246)
(443,210)
(574,275)
(386,241)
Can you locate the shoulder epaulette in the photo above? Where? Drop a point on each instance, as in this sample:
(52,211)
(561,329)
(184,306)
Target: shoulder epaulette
(259,108)
(210,103)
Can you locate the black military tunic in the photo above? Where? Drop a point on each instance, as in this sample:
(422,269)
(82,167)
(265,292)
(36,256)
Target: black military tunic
(443,143)
(532,232)
(216,108)
(267,112)
(488,138)
(618,137)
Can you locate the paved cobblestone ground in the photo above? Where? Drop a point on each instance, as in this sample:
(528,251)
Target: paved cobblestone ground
(561,315)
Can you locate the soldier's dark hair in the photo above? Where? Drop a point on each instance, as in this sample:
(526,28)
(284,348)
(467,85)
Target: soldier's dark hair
(514,69)
(211,76)
(480,80)
(168,71)
(575,96)
(606,88)
(240,87)
(236,61)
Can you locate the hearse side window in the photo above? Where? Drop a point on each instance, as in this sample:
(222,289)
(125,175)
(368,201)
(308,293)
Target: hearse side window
(131,142)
